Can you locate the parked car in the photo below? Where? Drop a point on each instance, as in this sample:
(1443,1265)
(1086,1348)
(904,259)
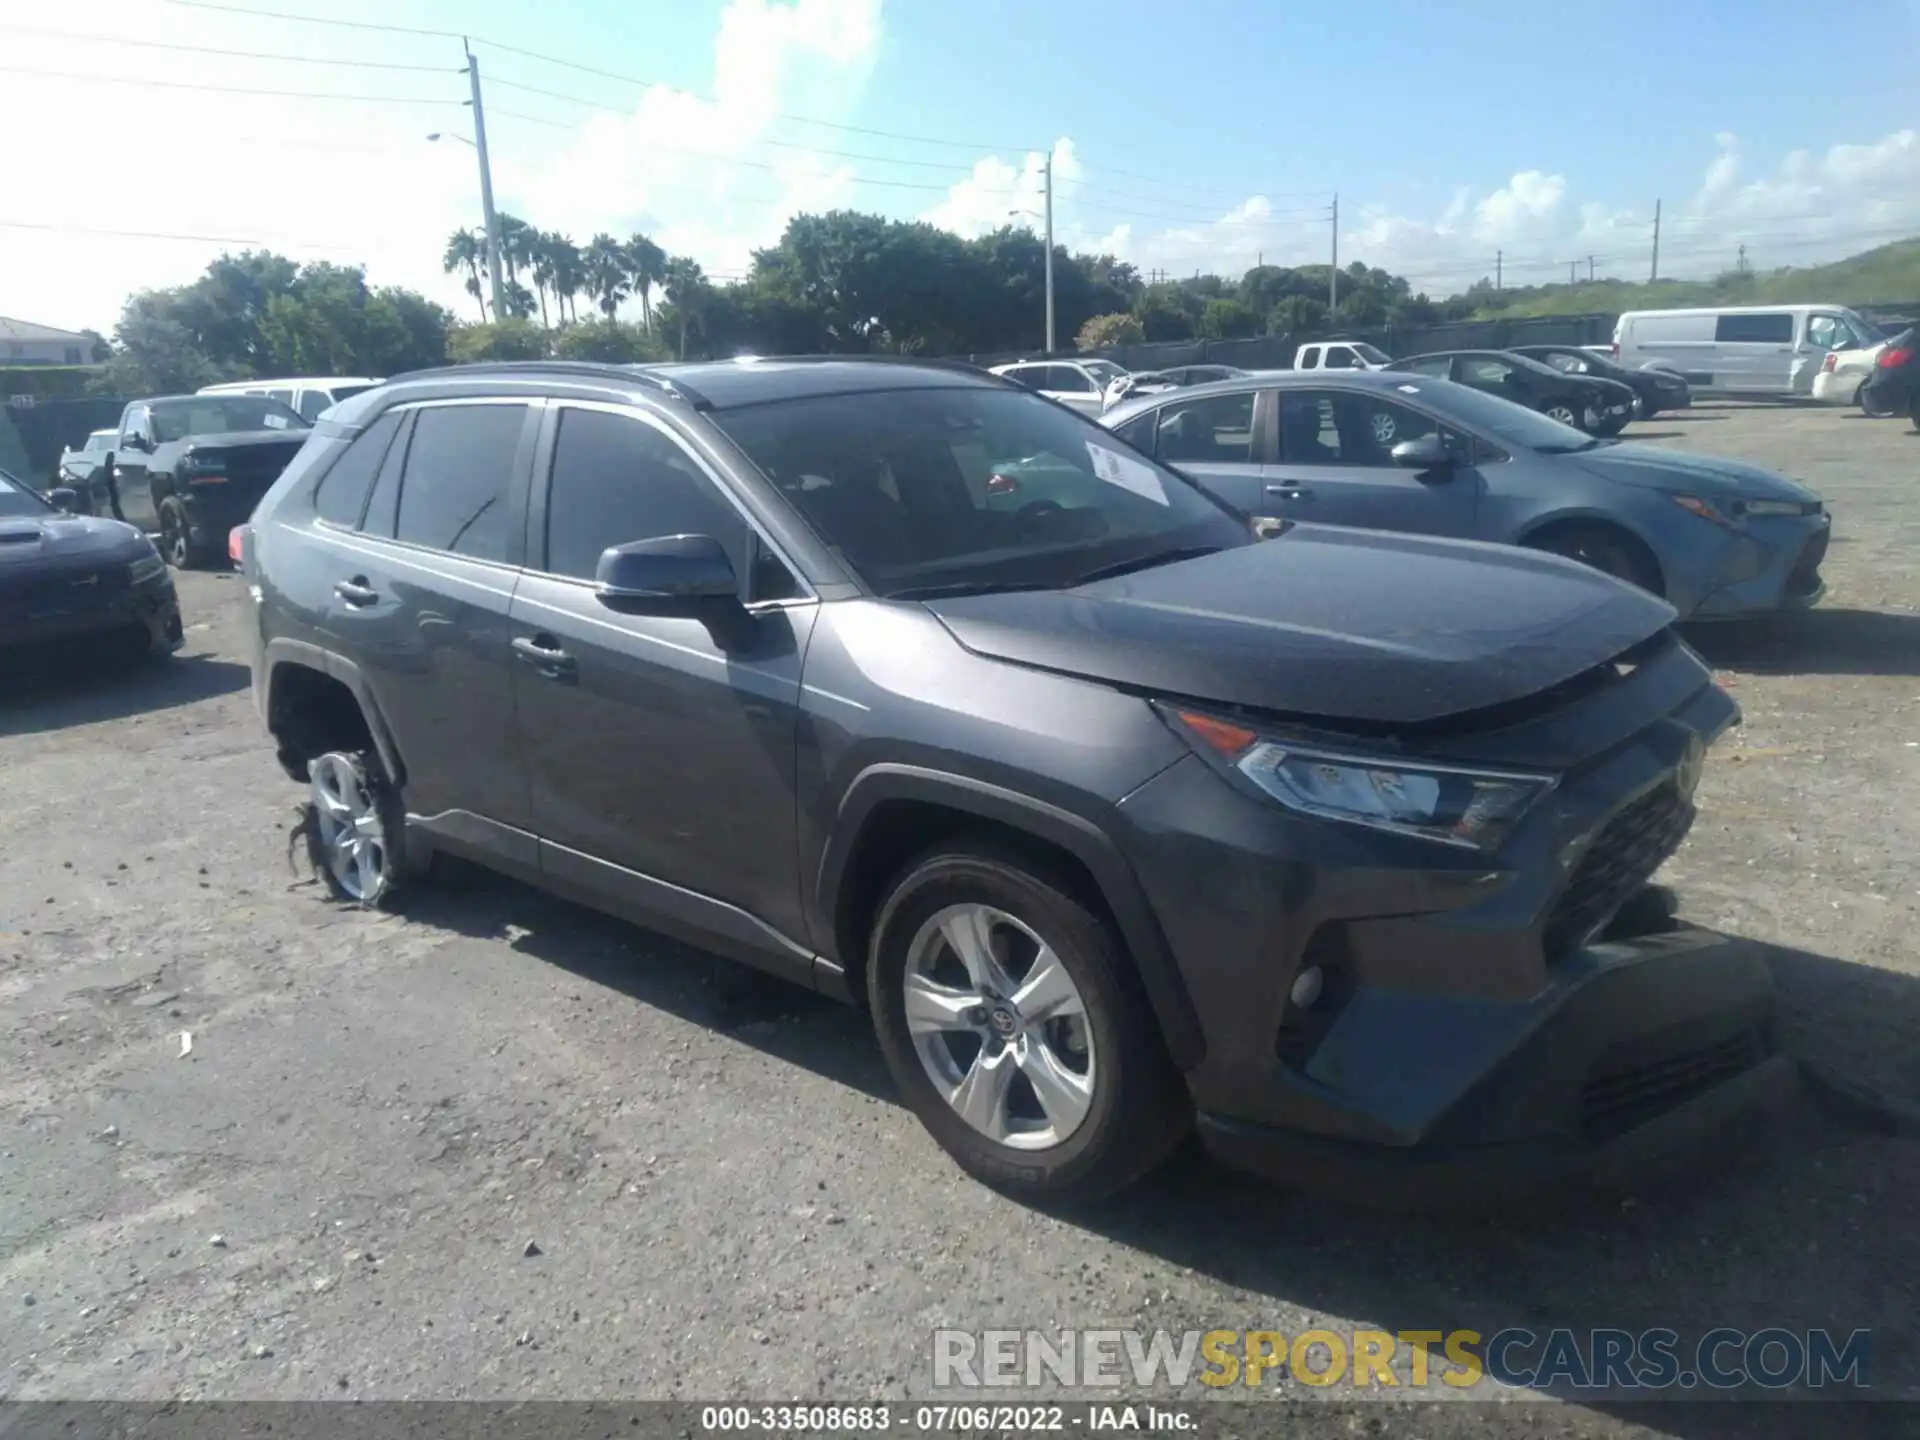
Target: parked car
(191,467)
(1754,350)
(79,470)
(1653,390)
(1586,402)
(1340,355)
(1111,814)
(1715,538)
(1078,384)
(311,396)
(68,579)
(1894,387)
(1154,382)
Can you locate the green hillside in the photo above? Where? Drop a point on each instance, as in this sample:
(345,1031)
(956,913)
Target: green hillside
(1889,274)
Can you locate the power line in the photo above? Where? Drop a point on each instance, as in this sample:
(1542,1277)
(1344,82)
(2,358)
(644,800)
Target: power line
(223,89)
(231,54)
(163,235)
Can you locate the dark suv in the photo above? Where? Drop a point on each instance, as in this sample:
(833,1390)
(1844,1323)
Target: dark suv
(911,686)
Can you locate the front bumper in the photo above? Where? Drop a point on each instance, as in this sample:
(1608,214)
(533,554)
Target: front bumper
(1666,1043)
(1773,566)
(50,621)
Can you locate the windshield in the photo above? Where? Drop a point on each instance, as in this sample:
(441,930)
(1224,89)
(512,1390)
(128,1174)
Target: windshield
(1105,371)
(1865,331)
(1505,421)
(1372,356)
(976,488)
(219,415)
(17,500)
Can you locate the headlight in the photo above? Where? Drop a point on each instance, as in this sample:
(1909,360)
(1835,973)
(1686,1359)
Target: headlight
(147,567)
(197,463)
(1454,805)
(1772,507)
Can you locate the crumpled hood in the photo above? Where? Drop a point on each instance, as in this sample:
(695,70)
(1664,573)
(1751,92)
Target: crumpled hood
(25,540)
(1326,623)
(1678,473)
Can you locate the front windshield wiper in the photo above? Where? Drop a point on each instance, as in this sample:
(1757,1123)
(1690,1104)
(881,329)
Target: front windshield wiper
(966,587)
(1143,562)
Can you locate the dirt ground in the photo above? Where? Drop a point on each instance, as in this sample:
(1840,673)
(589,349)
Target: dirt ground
(334,1193)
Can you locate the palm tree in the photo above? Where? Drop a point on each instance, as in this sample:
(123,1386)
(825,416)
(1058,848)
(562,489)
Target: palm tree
(686,285)
(518,300)
(605,265)
(540,262)
(567,274)
(465,250)
(516,243)
(646,268)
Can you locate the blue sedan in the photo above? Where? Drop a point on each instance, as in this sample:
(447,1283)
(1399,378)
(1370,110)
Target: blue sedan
(1388,451)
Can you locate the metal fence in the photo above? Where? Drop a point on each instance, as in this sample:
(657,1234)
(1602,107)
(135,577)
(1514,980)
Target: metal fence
(32,436)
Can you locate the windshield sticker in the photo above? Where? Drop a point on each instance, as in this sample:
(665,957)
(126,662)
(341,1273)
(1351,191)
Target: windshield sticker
(276,422)
(1117,469)
(1408,389)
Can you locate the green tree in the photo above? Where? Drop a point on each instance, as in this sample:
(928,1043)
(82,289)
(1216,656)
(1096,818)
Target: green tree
(604,262)
(1107,332)
(688,289)
(1224,319)
(517,339)
(1297,315)
(1165,314)
(568,272)
(466,250)
(646,268)
(608,341)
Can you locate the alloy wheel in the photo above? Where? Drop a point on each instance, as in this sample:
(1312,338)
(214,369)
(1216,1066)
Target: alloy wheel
(1562,413)
(173,539)
(1000,1027)
(1384,427)
(352,837)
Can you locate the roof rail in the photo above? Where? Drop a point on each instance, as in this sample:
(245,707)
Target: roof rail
(931,362)
(585,369)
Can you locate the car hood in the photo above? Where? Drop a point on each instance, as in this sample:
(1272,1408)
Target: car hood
(1611,390)
(27,539)
(1677,473)
(1326,623)
(289,440)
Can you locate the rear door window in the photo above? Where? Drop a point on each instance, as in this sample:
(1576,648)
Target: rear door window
(1217,430)
(1339,357)
(343,491)
(459,469)
(1754,329)
(1068,380)
(312,402)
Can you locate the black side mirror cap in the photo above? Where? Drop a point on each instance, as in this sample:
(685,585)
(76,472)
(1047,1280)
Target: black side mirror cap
(1423,452)
(666,568)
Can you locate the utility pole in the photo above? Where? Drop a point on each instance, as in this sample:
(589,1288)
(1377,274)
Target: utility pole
(1655,275)
(1589,267)
(1572,278)
(486,186)
(1499,258)
(1743,259)
(1048,174)
(1333,271)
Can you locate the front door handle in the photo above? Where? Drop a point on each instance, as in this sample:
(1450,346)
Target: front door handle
(1289,492)
(543,652)
(357,592)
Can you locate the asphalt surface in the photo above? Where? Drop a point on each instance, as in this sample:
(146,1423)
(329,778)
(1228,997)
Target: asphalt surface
(334,1193)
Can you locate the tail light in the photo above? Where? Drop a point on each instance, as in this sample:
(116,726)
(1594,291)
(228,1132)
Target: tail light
(1829,364)
(1615,348)
(1890,359)
(237,546)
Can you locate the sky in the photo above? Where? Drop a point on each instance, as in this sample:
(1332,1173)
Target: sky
(1209,135)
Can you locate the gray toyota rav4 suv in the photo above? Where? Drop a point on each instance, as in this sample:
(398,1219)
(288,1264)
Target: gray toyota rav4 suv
(1122,815)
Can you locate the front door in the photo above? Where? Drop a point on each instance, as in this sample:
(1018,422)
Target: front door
(661,746)
(1214,441)
(1336,466)
(131,492)
(1072,386)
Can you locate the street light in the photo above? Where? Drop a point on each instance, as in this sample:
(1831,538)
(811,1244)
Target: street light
(1047,220)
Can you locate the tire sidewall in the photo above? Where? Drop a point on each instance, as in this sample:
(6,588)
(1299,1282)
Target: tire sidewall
(393,815)
(1091,958)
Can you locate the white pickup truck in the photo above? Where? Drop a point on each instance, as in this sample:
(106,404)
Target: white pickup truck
(1339,355)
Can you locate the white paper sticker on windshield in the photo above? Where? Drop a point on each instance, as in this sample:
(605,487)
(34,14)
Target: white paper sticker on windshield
(1408,389)
(276,422)
(1117,469)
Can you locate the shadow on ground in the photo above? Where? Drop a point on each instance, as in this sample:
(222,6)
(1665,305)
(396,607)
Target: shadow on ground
(1814,642)
(1802,1221)
(86,687)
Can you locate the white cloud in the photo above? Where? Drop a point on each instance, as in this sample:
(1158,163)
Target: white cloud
(998,192)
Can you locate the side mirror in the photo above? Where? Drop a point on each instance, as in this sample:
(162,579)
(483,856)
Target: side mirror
(1423,452)
(64,499)
(666,568)
(134,442)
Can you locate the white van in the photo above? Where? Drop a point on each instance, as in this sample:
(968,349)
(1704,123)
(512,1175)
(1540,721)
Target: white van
(309,394)
(1742,349)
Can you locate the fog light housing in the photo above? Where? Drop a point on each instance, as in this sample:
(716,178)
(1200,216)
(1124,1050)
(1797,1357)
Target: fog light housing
(1308,986)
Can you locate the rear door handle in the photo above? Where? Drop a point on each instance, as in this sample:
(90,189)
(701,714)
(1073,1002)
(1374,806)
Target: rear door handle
(543,652)
(357,592)
(1289,492)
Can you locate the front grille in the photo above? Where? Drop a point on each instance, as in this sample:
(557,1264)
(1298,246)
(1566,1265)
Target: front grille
(1622,857)
(1630,1086)
(1805,575)
(67,590)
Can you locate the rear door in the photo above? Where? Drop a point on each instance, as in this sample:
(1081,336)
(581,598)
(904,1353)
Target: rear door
(418,598)
(1335,465)
(1216,441)
(1754,352)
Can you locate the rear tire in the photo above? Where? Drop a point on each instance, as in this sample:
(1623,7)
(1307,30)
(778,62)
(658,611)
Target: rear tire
(1612,552)
(177,544)
(1031,1054)
(1565,412)
(1867,407)
(356,828)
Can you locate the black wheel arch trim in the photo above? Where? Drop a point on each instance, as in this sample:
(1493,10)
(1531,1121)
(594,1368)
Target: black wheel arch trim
(1078,836)
(282,653)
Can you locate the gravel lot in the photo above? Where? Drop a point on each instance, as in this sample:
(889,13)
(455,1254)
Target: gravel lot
(381,1111)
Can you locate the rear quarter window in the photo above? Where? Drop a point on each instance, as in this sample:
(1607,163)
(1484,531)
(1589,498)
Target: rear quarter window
(343,491)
